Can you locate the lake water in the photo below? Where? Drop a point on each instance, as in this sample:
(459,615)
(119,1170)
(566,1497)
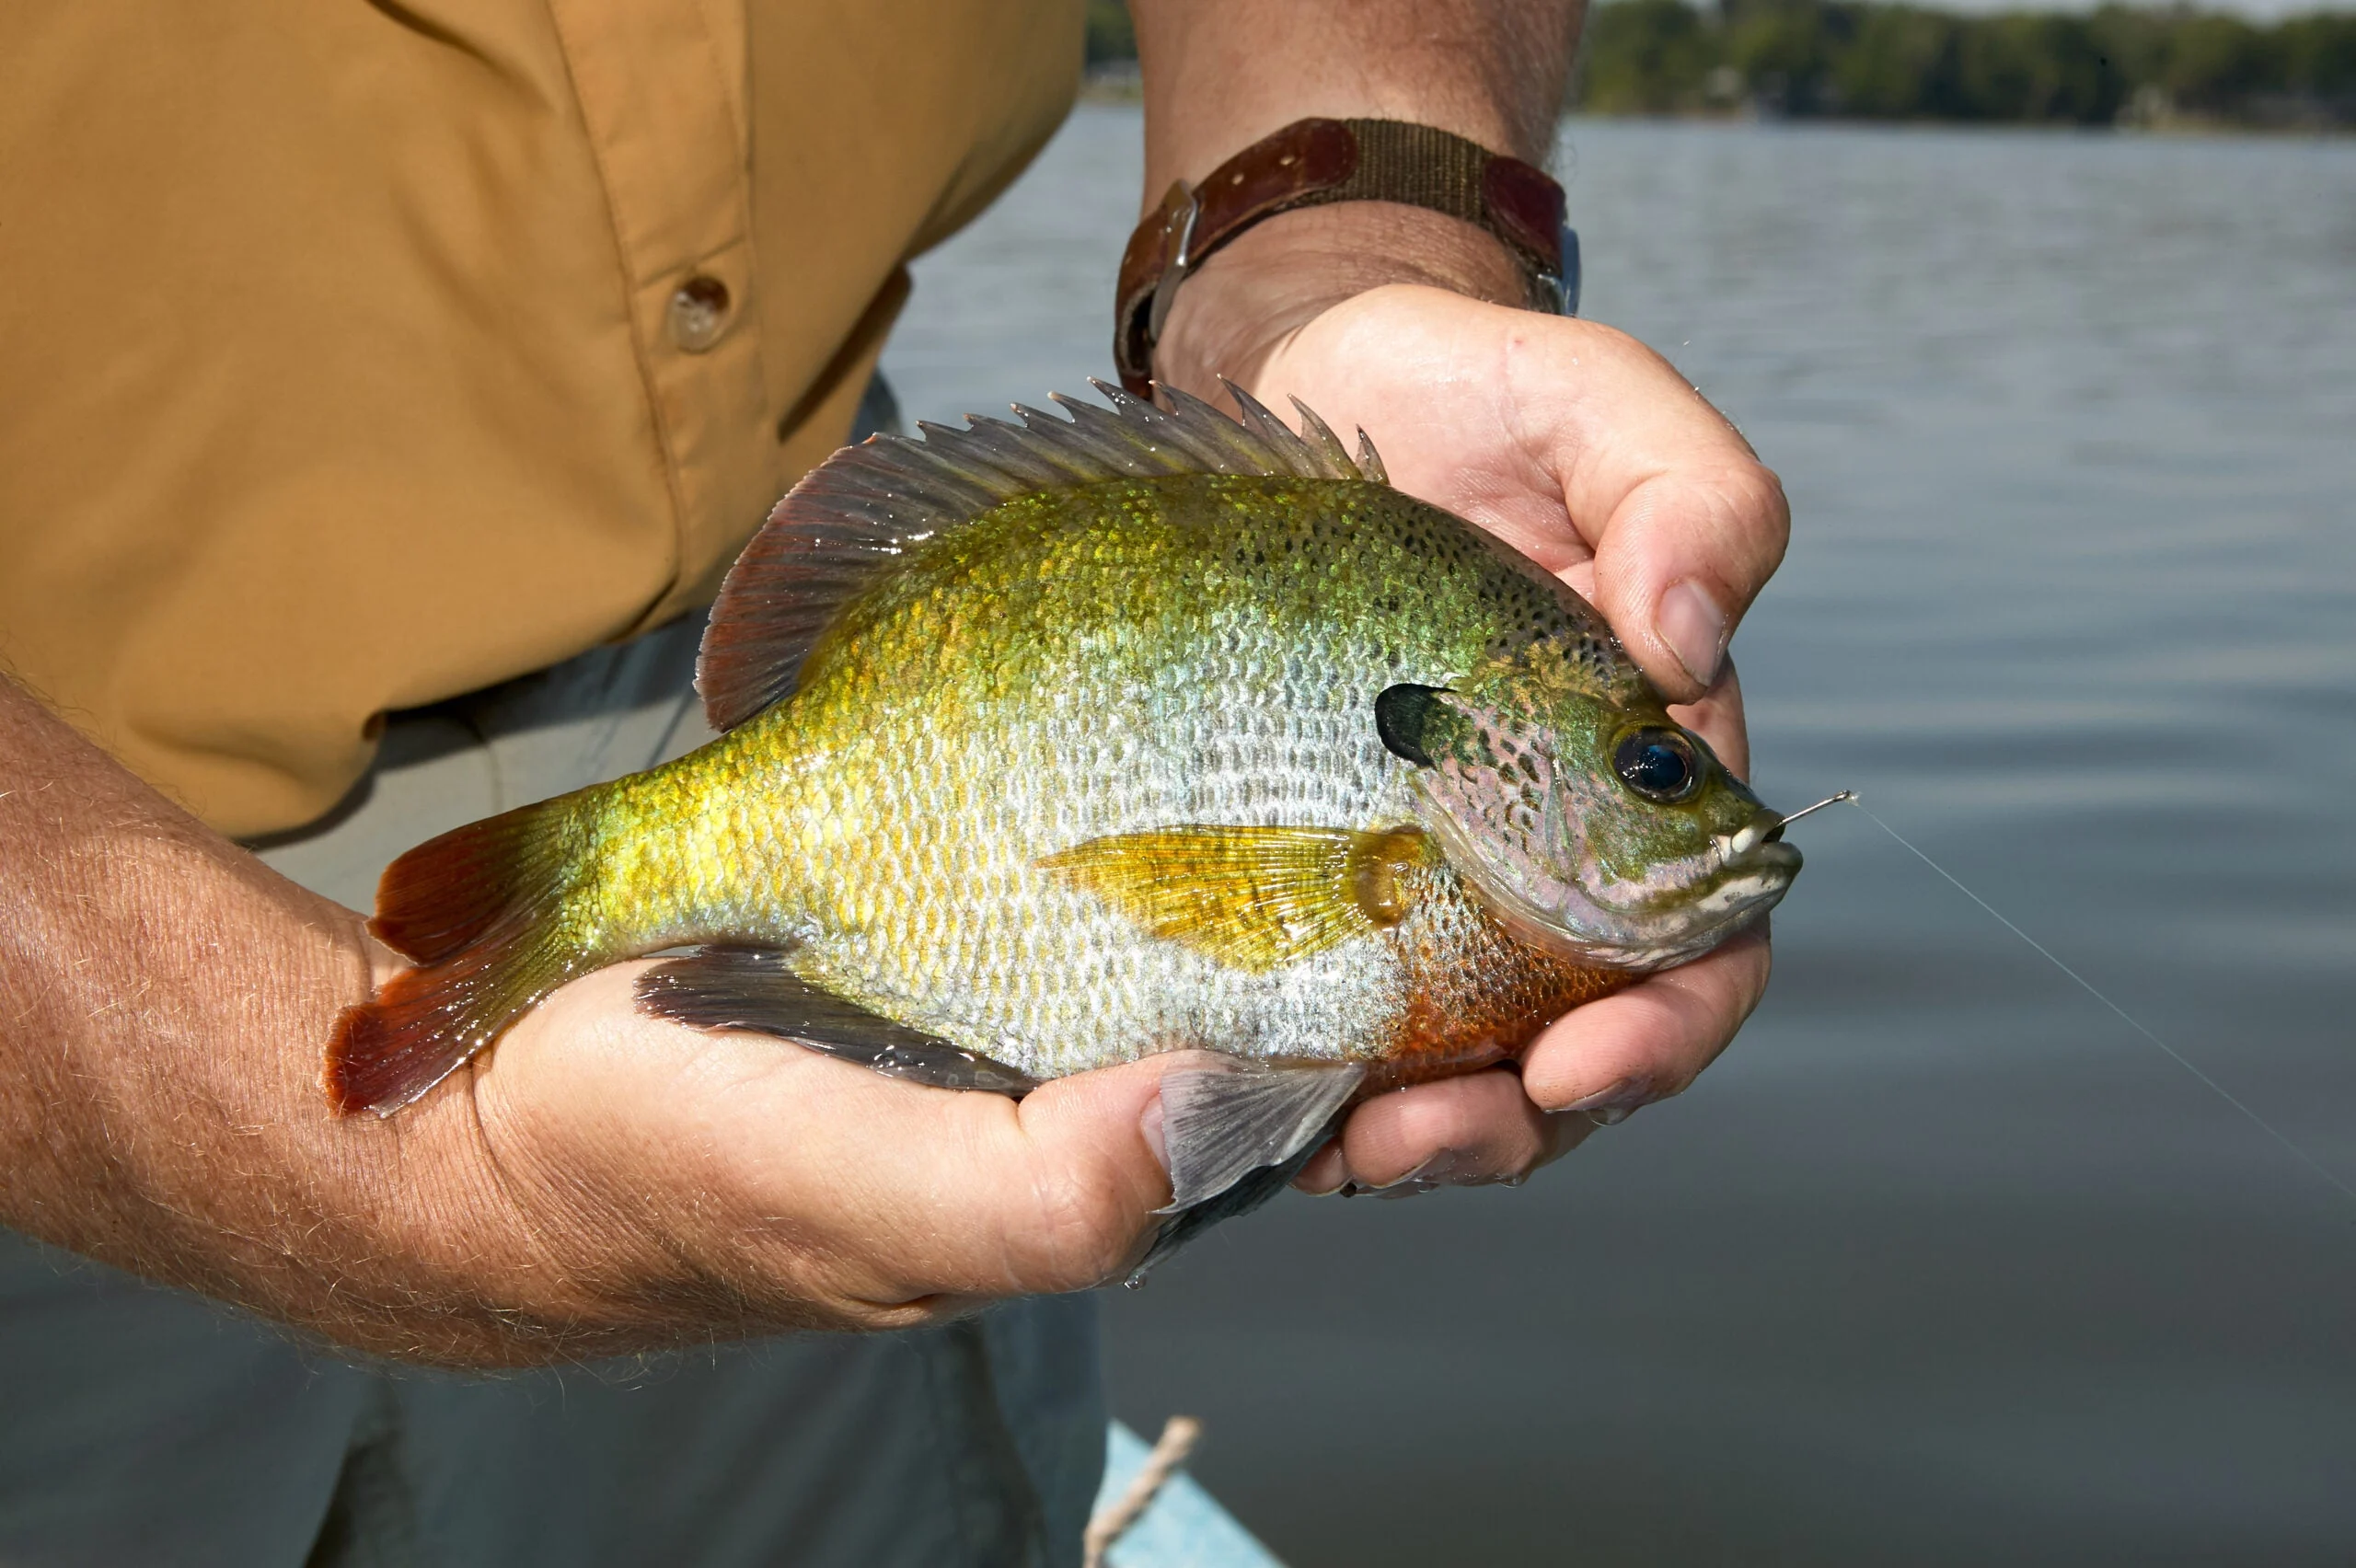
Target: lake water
(1942,1262)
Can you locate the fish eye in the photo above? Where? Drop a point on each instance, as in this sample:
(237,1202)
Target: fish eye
(1660,765)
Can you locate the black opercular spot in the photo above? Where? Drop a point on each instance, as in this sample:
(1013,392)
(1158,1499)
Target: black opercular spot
(1658,764)
(1400,714)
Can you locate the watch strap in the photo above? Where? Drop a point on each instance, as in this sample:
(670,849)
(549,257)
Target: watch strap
(1315,162)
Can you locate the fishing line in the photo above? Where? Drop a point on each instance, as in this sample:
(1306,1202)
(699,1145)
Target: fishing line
(2178,1058)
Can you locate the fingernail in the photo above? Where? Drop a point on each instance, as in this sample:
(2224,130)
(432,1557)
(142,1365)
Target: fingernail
(1690,622)
(1341,1182)
(1149,1124)
(1610,1107)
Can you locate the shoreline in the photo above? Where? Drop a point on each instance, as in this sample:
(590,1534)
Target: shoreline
(1118,88)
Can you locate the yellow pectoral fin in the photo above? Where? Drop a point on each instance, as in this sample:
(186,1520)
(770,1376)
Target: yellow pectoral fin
(1255,897)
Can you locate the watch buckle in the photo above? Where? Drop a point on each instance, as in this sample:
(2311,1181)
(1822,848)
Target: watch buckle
(1165,288)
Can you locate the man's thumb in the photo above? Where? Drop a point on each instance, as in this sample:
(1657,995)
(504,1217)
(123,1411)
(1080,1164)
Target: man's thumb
(1680,559)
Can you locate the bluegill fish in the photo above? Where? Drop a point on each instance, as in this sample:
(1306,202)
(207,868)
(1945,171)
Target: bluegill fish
(1055,745)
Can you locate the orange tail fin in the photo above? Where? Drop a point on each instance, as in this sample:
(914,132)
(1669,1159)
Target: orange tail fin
(477,909)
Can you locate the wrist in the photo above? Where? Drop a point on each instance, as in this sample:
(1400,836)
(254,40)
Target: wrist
(1241,304)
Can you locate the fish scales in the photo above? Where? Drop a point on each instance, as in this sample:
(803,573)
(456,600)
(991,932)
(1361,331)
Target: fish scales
(931,760)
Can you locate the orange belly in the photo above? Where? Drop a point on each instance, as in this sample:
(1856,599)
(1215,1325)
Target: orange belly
(1477,996)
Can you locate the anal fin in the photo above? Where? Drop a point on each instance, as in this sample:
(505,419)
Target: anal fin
(754,990)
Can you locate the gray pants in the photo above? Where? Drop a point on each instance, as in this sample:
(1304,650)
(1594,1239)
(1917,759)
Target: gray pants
(143,1425)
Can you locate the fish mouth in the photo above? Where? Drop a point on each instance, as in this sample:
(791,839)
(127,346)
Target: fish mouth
(1755,869)
(1758,844)
(1725,887)
(1754,862)
(1750,871)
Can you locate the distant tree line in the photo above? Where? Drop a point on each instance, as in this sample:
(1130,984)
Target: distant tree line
(1859,59)
(1855,58)
(1112,41)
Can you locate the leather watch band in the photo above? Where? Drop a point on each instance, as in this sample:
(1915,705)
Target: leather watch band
(1312,162)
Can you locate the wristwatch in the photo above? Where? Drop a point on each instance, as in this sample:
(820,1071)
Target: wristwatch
(1313,162)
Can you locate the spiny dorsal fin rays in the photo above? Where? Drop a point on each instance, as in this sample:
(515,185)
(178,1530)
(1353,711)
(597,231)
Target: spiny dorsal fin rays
(1326,453)
(1019,454)
(1320,436)
(1266,425)
(857,512)
(1228,451)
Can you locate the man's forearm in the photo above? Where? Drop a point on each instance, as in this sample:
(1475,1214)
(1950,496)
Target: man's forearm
(1220,75)
(162,999)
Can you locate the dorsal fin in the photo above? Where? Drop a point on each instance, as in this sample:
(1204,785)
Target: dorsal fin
(854,514)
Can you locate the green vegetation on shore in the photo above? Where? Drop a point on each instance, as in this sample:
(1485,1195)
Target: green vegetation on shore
(1111,41)
(1860,59)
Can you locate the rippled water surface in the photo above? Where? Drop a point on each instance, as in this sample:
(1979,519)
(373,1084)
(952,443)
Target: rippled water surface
(1941,1263)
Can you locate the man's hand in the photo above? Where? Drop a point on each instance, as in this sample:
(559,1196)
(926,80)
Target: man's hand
(725,1182)
(1587,452)
(600,1182)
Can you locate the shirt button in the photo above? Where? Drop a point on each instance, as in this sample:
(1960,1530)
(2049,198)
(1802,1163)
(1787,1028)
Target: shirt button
(698,314)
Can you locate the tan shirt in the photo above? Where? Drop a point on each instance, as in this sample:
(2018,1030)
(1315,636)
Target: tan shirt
(356,356)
